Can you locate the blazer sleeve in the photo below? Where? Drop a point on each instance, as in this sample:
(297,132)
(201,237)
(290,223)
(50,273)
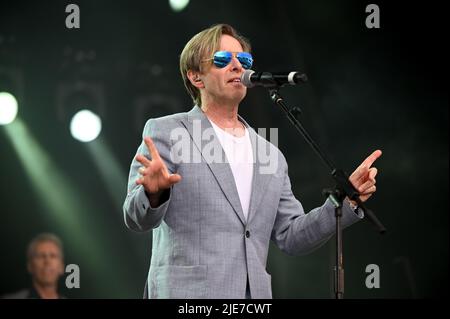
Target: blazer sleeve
(297,233)
(139,215)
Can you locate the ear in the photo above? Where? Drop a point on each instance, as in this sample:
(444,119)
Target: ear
(195,79)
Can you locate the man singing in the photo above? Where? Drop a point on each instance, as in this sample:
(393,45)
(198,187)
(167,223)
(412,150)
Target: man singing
(202,184)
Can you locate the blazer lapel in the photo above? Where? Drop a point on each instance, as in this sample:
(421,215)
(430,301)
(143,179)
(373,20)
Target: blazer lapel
(221,170)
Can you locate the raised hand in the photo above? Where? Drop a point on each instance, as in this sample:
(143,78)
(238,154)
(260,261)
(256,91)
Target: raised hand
(363,178)
(154,174)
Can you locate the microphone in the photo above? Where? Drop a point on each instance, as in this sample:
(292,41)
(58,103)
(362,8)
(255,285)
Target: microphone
(251,78)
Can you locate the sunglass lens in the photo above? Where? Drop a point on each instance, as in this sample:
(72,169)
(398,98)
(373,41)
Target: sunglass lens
(245,59)
(222,58)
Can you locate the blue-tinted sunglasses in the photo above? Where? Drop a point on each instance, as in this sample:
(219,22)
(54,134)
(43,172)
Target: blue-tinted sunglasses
(222,58)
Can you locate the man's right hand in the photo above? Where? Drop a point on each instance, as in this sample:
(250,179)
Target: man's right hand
(154,174)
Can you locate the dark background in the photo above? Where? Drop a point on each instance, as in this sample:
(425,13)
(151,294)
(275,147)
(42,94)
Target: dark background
(368,89)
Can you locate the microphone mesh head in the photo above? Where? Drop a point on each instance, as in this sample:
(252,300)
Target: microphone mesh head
(245,78)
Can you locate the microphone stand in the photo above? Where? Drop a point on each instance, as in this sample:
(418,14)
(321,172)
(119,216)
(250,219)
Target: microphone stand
(336,195)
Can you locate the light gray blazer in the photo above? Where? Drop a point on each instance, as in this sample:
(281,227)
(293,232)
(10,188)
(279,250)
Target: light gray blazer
(203,247)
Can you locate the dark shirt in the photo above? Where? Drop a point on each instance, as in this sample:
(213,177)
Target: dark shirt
(30,293)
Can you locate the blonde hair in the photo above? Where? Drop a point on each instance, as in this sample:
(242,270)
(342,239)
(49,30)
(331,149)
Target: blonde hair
(202,46)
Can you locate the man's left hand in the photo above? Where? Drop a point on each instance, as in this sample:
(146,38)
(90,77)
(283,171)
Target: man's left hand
(363,178)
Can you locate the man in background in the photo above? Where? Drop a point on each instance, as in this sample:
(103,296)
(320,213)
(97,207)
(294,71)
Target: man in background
(45,263)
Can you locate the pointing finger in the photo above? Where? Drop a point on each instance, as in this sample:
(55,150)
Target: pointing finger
(361,171)
(371,158)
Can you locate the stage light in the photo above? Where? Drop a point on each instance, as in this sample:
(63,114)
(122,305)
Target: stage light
(72,98)
(85,126)
(8,108)
(178,5)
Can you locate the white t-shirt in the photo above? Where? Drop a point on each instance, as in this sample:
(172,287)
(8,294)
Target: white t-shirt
(240,157)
